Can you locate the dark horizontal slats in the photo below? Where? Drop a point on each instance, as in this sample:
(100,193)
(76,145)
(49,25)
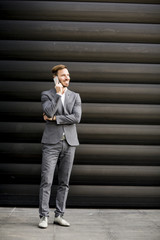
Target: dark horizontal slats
(92,113)
(112,51)
(115,1)
(85,196)
(118,154)
(85,174)
(95,92)
(21,111)
(88,133)
(80,31)
(86,154)
(73,51)
(68,11)
(82,71)
(120,134)
(118,113)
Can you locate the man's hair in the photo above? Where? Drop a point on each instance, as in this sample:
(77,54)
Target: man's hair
(57,67)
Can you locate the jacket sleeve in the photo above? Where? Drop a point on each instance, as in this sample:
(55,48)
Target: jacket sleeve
(49,105)
(75,116)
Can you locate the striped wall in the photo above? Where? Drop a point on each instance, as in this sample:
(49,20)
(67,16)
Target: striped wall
(112,50)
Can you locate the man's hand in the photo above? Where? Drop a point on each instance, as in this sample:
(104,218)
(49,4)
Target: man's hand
(59,88)
(47,118)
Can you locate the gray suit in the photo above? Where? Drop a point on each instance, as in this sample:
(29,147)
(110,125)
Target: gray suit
(55,151)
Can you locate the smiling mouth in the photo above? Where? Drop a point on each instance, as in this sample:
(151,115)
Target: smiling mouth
(65,83)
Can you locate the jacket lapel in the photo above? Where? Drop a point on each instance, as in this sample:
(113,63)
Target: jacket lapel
(66,100)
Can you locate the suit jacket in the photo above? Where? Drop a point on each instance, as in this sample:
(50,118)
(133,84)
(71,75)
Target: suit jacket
(66,117)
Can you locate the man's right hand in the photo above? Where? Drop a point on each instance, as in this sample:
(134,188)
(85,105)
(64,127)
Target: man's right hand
(59,88)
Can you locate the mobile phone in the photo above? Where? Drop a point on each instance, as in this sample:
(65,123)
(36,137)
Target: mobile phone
(56,80)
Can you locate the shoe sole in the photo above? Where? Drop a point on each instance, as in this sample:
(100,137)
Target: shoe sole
(61,224)
(42,227)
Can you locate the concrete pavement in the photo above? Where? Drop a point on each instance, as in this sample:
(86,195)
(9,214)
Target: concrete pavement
(86,224)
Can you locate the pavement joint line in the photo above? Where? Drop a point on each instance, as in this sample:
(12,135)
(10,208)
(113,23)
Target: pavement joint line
(12,211)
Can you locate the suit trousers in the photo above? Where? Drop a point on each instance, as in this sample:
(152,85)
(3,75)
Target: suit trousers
(62,156)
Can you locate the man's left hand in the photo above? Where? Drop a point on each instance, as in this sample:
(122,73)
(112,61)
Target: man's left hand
(47,118)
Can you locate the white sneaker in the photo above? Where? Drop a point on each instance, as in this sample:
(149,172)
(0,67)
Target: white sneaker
(43,223)
(59,220)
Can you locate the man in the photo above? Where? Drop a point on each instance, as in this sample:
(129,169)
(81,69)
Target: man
(62,111)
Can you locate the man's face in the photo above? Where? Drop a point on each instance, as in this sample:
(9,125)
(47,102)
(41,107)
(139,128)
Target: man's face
(64,77)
